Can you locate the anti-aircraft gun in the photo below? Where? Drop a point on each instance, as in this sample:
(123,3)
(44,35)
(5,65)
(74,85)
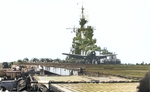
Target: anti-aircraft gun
(25,82)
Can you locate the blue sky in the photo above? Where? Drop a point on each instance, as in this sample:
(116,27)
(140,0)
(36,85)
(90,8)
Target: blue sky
(37,28)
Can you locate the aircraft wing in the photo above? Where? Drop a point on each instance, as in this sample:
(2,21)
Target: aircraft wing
(105,56)
(75,56)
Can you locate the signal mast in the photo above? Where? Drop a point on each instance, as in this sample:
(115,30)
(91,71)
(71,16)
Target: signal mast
(82,14)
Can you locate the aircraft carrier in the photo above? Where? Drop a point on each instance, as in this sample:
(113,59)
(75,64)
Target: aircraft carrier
(42,78)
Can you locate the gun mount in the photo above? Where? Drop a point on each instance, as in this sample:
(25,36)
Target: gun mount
(21,81)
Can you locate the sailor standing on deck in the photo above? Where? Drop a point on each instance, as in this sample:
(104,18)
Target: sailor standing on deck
(41,70)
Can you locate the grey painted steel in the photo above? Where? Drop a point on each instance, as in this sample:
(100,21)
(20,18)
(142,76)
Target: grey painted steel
(60,71)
